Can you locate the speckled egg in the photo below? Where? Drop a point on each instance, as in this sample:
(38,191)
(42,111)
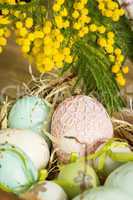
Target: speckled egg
(45,191)
(79,120)
(33,145)
(30,112)
(17,171)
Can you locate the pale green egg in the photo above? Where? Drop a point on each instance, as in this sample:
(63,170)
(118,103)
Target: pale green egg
(17,172)
(30,112)
(122,178)
(103,193)
(74,176)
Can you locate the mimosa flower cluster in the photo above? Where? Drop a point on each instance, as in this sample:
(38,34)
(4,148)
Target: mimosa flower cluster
(50,44)
(115,56)
(110,8)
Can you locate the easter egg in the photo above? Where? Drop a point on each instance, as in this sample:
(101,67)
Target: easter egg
(30,112)
(17,172)
(77,121)
(45,191)
(109,163)
(76,176)
(33,145)
(104,193)
(122,178)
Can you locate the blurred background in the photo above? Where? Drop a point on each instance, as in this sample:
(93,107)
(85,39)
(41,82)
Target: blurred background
(14,70)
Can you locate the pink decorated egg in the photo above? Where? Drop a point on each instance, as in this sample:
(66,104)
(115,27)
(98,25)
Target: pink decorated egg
(79,122)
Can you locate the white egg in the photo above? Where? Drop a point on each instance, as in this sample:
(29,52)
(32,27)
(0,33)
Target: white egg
(110,164)
(45,191)
(32,144)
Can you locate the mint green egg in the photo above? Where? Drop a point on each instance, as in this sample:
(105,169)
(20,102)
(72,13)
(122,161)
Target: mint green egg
(30,112)
(72,177)
(122,178)
(103,193)
(17,172)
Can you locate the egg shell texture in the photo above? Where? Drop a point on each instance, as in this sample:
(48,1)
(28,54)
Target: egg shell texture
(81,117)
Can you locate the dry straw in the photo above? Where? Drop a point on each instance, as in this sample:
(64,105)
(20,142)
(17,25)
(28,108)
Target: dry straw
(55,89)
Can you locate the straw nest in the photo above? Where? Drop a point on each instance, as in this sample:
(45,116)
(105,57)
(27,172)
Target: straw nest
(55,89)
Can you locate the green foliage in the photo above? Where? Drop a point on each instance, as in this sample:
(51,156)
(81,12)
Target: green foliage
(124,36)
(93,67)
(122,29)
